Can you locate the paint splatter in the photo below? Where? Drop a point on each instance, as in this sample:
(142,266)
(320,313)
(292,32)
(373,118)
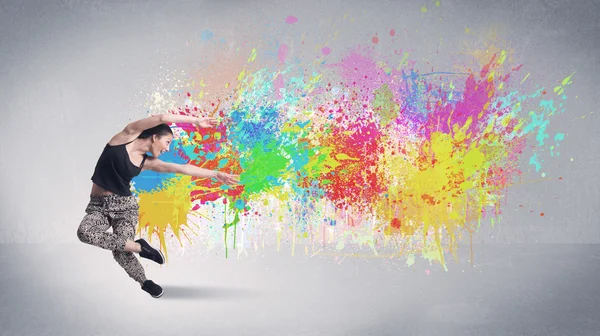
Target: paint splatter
(291,19)
(362,151)
(282,53)
(207,35)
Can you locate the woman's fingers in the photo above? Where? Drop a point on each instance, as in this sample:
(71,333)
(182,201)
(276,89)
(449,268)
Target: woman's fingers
(228,178)
(233,179)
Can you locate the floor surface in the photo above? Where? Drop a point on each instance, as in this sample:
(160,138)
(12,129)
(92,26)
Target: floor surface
(511,290)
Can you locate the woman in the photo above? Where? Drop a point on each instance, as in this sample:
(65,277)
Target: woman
(111,201)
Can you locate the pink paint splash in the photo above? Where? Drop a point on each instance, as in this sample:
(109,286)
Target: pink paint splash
(282,53)
(326,51)
(359,70)
(291,19)
(278,84)
(476,107)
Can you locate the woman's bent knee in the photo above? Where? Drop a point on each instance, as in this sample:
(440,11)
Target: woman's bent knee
(83,236)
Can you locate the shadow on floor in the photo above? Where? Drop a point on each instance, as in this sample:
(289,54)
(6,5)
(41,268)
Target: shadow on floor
(206,293)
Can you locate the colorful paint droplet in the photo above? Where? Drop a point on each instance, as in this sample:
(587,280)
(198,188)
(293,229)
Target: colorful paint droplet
(291,19)
(375,39)
(326,51)
(392,32)
(207,35)
(423,9)
(282,53)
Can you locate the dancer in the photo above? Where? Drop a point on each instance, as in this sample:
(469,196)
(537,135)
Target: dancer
(111,201)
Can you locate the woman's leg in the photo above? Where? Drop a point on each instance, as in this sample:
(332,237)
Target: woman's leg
(120,212)
(92,230)
(123,224)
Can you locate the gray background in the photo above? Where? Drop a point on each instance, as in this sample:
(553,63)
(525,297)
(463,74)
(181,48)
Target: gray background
(71,76)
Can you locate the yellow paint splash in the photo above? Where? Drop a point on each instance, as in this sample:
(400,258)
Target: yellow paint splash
(166,207)
(385,105)
(560,89)
(430,184)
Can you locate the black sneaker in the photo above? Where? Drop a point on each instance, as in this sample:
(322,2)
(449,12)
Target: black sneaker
(150,252)
(153,289)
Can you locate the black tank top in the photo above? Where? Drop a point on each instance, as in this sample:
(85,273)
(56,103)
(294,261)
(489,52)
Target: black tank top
(115,170)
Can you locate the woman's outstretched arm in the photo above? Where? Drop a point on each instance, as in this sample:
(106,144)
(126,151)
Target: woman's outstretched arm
(139,126)
(133,130)
(160,166)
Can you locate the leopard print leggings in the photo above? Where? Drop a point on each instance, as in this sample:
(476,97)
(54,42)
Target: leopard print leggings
(120,213)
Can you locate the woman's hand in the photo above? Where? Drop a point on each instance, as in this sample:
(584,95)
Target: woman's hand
(206,122)
(228,179)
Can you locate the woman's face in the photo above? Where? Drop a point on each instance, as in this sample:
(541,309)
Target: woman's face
(160,144)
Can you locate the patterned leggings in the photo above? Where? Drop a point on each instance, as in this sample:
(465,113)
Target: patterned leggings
(120,213)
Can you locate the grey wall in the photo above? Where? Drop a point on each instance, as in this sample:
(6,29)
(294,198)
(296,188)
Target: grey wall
(75,72)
